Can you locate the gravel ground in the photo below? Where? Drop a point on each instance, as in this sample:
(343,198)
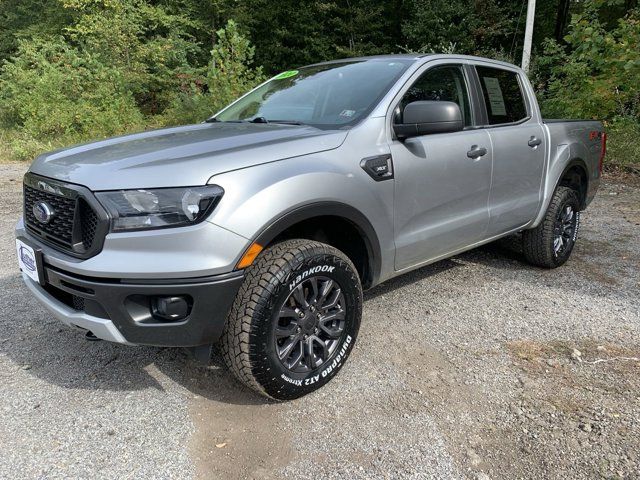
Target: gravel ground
(476,367)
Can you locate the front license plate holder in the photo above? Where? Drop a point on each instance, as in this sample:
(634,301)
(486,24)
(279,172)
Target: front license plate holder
(30,260)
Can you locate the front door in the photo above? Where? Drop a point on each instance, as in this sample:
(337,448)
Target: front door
(442,181)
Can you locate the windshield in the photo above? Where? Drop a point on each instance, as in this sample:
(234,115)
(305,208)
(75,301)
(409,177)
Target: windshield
(327,96)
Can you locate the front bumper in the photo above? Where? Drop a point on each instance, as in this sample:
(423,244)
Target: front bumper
(121,310)
(112,293)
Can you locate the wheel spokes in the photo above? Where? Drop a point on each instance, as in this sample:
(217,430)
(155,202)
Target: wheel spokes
(310,323)
(295,361)
(288,347)
(324,349)
(288,312)
(326,289)
(331,331)
(288,330)
(309,357)
(557,244)
(333,300)
(564,229)
(313,294)
(298,295)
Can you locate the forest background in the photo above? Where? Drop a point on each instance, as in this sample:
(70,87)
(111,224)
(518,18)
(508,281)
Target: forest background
(77,70)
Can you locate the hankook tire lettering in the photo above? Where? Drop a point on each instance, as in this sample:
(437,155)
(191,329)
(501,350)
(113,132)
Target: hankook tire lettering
(311,271)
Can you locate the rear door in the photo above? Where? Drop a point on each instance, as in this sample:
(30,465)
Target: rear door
(441,182)
(518,142)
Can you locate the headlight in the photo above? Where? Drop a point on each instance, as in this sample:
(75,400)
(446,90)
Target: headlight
(160,207)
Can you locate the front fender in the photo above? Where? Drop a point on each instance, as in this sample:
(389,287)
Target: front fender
(257,198)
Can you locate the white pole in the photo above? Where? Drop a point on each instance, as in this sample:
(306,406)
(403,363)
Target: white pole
(528,35)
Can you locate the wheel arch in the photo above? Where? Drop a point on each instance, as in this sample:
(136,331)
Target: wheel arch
(568,167)
(576,176)
(324,213)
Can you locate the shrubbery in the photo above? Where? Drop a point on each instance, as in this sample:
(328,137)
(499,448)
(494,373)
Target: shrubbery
(121,66)
(230,74)
(52,93)
(596,75)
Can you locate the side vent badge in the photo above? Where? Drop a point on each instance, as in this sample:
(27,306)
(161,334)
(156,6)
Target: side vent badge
(379,167)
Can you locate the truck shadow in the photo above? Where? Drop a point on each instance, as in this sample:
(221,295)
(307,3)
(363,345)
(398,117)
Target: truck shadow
(36,344)
(505,253)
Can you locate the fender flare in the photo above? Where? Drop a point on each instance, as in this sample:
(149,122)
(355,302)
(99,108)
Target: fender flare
(574,162)
(335,209)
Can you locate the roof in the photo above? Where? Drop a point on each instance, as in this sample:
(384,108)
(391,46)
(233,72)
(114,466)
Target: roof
(400,56)
(415,57)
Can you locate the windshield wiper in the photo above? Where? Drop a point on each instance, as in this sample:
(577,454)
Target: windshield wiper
(254,120)
(215,120)
(287,122)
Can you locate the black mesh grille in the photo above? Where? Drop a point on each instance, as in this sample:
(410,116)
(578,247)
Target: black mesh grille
(60,229)
(88,223)
(78,303)
(75,225)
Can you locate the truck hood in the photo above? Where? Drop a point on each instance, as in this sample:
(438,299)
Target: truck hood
(181,156)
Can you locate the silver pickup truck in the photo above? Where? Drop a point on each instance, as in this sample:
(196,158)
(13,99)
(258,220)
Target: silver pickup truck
(258,229)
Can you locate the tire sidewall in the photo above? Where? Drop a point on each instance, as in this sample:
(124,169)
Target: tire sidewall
(276,380)
(568,198)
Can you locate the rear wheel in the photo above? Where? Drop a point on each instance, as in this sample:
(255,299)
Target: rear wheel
(294,320)
(550,244)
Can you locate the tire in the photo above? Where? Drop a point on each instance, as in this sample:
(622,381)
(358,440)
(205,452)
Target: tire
(266,319)
(550,244)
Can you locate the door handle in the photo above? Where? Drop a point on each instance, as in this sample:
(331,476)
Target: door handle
(476,152)
(534,142)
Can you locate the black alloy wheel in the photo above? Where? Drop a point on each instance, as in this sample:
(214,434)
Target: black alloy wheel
(310,324)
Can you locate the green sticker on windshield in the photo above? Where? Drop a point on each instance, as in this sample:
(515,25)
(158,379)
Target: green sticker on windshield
(287,74)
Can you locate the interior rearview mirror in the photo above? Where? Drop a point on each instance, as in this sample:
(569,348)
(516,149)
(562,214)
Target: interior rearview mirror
(428,116)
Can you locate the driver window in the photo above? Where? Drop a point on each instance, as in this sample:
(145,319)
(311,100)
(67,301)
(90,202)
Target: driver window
(444,83)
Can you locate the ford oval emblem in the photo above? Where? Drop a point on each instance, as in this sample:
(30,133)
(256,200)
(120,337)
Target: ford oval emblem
(43,212)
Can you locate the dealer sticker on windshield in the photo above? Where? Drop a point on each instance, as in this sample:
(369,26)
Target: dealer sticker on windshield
(27,260)
(287,74)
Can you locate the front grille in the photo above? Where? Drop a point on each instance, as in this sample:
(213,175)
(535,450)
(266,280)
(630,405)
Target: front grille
(78,223)
(77,303)
(88,223)
(60,229)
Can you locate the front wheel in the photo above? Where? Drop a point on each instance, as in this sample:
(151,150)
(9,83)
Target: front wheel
(294,320)
(550,244)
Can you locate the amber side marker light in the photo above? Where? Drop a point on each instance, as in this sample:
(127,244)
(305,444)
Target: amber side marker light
(249,256)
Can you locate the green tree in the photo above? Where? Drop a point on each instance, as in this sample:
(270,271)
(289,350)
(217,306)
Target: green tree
(291,33)
(230,74)
(597,73)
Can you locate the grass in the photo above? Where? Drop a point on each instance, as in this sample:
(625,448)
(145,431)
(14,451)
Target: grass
(623,150)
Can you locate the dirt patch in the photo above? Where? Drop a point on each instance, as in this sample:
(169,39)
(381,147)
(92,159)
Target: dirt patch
(629,175)
(581,398)
(237,434)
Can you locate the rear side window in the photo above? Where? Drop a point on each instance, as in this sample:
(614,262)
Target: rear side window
(502,95)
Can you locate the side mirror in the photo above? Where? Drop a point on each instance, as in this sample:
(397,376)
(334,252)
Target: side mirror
(428,116)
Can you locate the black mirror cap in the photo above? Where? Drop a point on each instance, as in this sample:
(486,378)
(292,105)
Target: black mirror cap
(428,116)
